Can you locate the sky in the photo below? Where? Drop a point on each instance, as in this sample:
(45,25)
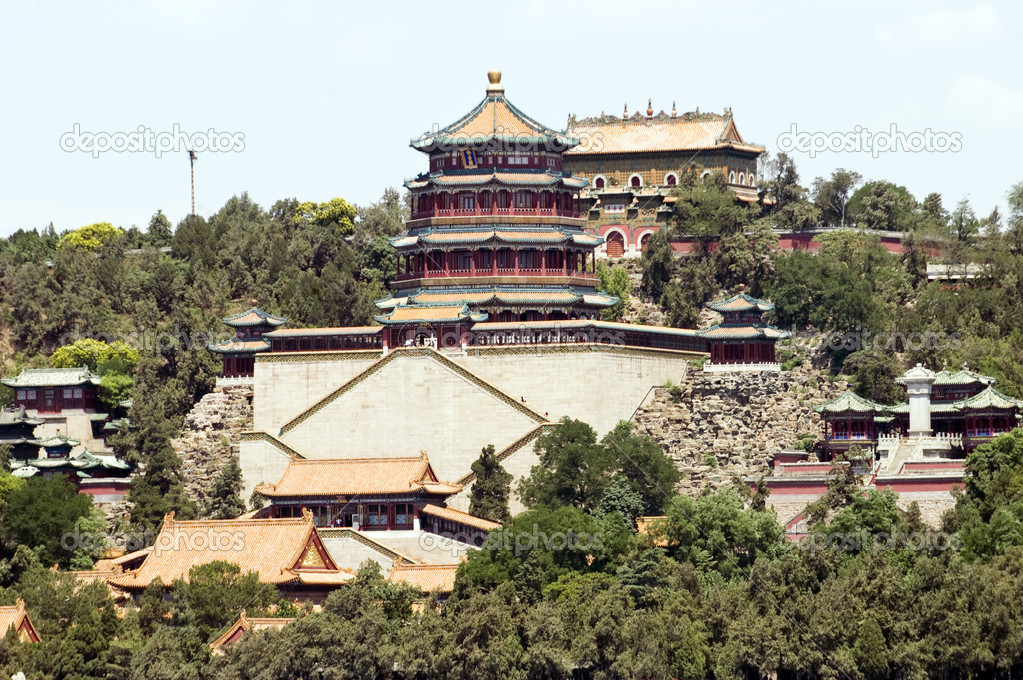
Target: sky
(312,100)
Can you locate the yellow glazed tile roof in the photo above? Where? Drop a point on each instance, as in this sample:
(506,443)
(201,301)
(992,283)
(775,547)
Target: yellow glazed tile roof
(426,577)
(355,476)
(465,518)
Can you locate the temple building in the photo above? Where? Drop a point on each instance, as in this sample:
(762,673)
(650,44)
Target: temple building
(947,410)
(17,431)
(100,475)
(245,625)
(286,553)
(742,341)
(372,494)
(16,617)
(496,230)
(633,165)
(64,399)
(239,353)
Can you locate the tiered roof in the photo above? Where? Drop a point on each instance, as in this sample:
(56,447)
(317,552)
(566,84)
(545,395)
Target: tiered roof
(497,178)
(83,464)
(741,303)
(850,402)
(457,313)
(240,345)
(961,377)
(744,330)
(358,476)
(16,415)
(281,551)
(16,617)
(452,515)
(480,235)
(495,121)
(654,134)
(246,624)
(512,295)
(53,377)
(254,317)
(427,578)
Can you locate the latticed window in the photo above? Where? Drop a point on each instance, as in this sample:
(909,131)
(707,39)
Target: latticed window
(523,199)
(403,514)
(376,515)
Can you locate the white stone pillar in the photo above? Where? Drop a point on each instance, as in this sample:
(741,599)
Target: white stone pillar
(918,381)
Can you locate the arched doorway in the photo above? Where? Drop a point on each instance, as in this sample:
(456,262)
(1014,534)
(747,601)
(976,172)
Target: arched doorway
(615,245)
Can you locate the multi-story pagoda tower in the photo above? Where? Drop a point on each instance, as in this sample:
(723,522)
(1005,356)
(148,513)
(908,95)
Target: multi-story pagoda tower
(495,231)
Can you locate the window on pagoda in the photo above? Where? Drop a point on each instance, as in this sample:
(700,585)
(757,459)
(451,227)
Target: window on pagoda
(598,183)
(636,181)
(463,260)
(486,259)
(466,201)
(376,515)
(671,179)
(1001,426)
(402,514)
(529,259)
(840,430)
(503,200)
(523,200)
(505,259)
(858,431)
(546,200)
(442,201)
(486,200)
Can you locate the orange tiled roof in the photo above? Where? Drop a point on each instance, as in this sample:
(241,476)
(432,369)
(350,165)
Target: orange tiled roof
(471,298)
(638,135)
(243,625)
(426,577)
(421,313)
(279,550)
(16,617)
(465,518)
(357,476)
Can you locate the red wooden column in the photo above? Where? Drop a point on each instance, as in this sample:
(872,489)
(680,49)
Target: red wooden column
(493,262)
(516,251)
(447,272)
(426,265)
(472,262)
(543,261)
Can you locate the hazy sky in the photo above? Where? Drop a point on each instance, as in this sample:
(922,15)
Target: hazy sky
(327,95)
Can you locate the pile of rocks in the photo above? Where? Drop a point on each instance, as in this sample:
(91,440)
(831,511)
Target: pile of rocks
(211,436)
(718,425)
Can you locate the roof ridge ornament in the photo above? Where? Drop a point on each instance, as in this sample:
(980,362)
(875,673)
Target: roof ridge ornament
(495,88)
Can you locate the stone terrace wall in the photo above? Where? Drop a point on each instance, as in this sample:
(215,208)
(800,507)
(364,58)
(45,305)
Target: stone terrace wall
(211,435)
(736,420)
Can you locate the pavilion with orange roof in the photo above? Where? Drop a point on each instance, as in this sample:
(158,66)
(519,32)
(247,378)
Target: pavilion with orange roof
(16,617)
(286,553)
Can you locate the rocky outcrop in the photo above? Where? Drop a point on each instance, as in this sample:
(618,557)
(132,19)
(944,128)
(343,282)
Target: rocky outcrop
(211,435)
(718,425)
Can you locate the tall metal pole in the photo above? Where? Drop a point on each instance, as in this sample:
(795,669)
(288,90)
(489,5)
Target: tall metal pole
(191,163)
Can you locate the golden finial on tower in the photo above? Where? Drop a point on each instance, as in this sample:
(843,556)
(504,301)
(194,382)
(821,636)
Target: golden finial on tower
(650,108)
(673,114)
(495,86)
(625,111)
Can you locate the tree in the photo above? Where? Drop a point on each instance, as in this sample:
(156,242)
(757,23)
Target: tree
(615,282)
(225,500)
(658,261)
(881,205)
(782,192)
(873,375)
(90,237)
(490,491)
(159,232)
(574,470)
(39,513)
(216,593)
(642,464)
(832,195)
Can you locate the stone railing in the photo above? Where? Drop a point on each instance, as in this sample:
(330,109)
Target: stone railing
(237,381)
(772,367)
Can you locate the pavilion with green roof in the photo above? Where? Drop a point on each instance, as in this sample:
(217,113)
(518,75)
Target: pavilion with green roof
(742,339)
(239,353)
(963,405)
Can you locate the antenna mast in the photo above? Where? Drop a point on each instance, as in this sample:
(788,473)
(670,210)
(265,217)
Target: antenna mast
(192,158)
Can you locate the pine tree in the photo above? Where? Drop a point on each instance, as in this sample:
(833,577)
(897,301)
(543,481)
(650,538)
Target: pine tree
(489,496)
(225,500)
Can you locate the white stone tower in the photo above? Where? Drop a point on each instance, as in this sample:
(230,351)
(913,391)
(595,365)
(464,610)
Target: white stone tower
(918,381)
